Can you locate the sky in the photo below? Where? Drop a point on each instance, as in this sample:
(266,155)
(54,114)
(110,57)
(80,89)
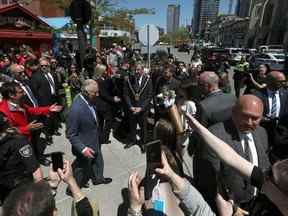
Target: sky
(160,7)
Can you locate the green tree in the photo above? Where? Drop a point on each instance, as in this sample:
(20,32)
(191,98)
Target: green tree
(166,38)
(181,36)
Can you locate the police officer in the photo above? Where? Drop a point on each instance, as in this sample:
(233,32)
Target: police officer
(17,160)
(240,71)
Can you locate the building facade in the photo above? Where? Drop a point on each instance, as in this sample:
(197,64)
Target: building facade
(173,18)
(229,31)
(44,8)
(268,23)
(205,13)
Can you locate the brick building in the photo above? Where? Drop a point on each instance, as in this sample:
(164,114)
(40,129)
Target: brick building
(44,8)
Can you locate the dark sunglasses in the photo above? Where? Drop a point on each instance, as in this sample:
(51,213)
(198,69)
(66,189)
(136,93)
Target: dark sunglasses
(44,65)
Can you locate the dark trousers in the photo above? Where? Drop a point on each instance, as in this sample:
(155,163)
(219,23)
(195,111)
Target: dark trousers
(141,119)
(237,87)
(36,145)
(238,77)
(85,169)
(105,118)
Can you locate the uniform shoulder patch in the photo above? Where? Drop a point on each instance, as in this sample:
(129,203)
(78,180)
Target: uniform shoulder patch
(25,151)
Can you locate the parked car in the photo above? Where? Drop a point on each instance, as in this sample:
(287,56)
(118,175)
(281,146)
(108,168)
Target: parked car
(271,48)
(276,61)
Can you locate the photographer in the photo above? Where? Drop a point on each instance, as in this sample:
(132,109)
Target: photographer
(191,199)
(38,198)
(256,81)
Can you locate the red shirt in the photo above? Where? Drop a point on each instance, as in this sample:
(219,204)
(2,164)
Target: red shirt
(18,116)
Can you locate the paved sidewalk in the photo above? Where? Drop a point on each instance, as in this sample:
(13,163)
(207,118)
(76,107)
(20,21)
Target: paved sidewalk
(119,164)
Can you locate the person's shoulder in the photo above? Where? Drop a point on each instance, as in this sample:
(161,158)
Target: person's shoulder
(260,130)
(217,128)
(260,93)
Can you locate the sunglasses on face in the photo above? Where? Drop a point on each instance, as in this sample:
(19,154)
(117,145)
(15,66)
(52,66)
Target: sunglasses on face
(44,65)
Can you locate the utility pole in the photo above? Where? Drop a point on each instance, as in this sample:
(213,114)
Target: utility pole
(230,6)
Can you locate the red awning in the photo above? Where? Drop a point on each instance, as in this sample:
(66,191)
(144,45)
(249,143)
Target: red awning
(25,35)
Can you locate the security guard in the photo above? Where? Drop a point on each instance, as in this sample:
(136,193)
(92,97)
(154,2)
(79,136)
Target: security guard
(17,160)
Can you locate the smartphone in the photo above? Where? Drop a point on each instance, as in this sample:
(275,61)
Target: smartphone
(57,160)
(154,155)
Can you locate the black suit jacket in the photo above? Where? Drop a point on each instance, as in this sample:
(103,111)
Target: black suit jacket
(145,96)
(41,89)
(283,93)
(216,107)
(238,187)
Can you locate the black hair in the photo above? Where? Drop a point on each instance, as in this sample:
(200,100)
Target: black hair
(8,89)
(30,199)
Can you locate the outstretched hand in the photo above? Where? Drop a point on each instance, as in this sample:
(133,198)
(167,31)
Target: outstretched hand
(190,119)
(66,174)
(136,193)
(55,108)
(166,170)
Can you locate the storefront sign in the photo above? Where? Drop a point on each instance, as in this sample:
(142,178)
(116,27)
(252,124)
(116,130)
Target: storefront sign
(18,22)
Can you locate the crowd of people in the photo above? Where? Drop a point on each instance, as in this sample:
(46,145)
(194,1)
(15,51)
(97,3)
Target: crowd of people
(237,143)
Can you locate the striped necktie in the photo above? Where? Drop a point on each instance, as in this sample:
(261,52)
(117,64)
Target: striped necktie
(274,106)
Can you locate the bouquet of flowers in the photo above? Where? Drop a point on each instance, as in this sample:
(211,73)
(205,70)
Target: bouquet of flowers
(166,97)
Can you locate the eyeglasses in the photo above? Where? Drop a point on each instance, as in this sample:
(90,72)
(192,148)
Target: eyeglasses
(44,65)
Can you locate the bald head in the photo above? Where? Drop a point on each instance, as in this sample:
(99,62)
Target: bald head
(208,82)
(274,80)
(17,71)
(247,113)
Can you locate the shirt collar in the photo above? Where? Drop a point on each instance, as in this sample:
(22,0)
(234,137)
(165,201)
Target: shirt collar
(242,135)
(13,106)
(272,92)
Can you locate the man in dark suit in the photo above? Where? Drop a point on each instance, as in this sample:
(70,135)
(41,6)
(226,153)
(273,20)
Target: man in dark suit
(275,100)
(44,88)
(138,93)
(216,106)
(82,132)
(243,133)
(165,82)
(18,73)
(108,103)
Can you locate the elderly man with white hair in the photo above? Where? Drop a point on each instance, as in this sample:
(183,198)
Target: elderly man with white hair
(83,134)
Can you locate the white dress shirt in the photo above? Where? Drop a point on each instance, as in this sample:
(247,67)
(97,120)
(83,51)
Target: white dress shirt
(253,150)
(52,85)
(270,95)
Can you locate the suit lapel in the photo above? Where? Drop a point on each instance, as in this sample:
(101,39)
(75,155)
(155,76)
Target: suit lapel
(87,111)
(235,137)
(266,102)
(282,97)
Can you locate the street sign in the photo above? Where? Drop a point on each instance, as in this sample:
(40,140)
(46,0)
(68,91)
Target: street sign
(153,34)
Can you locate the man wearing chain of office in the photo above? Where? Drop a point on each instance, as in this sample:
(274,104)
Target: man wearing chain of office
(138,94)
